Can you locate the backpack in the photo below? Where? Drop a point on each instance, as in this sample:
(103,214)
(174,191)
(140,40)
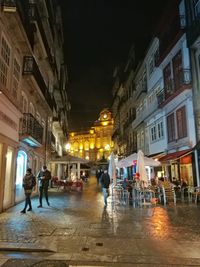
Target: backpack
(33,181)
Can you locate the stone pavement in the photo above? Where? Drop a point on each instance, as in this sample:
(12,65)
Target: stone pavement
(77,231)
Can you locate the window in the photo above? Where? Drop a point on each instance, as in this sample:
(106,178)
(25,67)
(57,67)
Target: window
(170,128)
(151,66)
(181,122)
(160,130)
(32,109)
(4,61)
(142,139)
(197,7)
(24,103)
(167,80)
(153,133)
(177,70)
(16,78)
(156,56)
(38,117)
(138,140)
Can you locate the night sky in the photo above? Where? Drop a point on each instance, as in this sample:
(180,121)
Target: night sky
(98,35)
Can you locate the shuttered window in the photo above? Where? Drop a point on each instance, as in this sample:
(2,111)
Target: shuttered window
(181,122)
(171,128)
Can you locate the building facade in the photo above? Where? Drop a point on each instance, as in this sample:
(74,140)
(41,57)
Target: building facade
(95,144)
(30,69)
(163,99)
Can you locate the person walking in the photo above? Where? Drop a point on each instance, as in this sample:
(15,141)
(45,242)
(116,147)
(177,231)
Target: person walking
(29,183)
(105,182)
(44,176)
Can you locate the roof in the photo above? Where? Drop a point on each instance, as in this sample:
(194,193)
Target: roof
(176,155)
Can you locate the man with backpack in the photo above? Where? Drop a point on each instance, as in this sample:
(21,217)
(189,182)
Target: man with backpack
(105,182)
(29,183)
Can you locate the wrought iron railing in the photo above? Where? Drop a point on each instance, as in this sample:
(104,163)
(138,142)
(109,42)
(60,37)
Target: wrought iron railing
(30,126)
(174,85)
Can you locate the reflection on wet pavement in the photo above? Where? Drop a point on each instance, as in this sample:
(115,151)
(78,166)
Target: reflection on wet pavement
(78,227)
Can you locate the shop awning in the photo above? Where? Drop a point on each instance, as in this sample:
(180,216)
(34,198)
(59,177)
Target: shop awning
(176,155)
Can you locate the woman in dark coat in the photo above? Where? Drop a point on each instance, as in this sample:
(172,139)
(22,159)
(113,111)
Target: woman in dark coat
(29,182)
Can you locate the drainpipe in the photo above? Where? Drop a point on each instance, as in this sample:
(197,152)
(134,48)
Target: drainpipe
(196,166)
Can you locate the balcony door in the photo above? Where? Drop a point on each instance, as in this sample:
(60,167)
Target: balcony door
(177,70)
(167,80)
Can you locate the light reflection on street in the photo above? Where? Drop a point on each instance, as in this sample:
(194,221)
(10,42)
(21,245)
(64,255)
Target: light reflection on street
(159,223)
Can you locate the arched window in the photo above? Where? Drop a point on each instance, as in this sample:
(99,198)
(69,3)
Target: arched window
(38,117)
(32,109)
(24,103)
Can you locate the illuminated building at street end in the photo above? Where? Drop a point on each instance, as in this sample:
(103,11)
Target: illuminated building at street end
(96,143)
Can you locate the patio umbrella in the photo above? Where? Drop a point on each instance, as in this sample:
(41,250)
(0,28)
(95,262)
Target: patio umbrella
(112,168)
(140,168)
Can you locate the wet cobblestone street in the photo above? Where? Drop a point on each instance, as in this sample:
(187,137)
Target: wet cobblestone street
(76,230)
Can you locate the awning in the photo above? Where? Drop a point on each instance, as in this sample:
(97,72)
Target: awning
(132,159)
(176,155)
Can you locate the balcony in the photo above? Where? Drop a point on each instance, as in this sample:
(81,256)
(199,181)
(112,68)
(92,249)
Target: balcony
(145,113)
(35,18)
(31,132)
(30,67)
(174,87)
(142,89)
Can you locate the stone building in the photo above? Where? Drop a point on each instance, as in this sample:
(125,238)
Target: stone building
(96,143)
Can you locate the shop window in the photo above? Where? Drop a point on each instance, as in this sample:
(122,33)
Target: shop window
(21,167)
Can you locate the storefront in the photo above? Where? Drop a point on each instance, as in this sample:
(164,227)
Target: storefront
(179,166)
(9,141)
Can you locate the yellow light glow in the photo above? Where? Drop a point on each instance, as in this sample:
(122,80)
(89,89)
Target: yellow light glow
(92,146)
(91,131)
(87,157)
(98,145)
(67,146)
(104,123)
(105,116)
(81,146)
(72,134)
(107,147)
